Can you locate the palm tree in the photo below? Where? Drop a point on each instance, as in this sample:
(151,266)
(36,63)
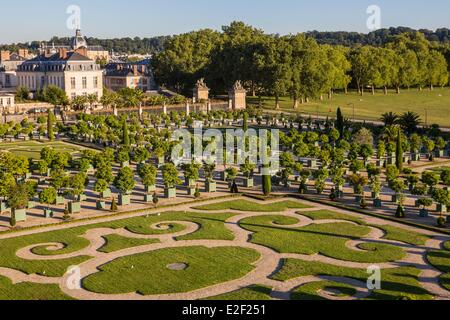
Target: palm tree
(409,121)
(389,118)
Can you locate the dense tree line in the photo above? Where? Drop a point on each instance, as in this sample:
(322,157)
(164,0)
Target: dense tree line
(119,45)
(378,37)
(296,65)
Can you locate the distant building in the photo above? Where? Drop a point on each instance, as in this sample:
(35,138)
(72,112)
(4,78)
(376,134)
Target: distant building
(135,75)
(6,102)
(95,53)
(9,62)
(72,71)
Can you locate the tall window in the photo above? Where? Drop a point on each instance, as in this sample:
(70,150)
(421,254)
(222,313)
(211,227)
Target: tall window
(96,82)
(84,83)
(72,83)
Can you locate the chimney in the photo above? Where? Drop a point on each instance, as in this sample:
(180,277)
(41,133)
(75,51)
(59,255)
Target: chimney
(23,53)
(63,53)
(135,70)
(4,55)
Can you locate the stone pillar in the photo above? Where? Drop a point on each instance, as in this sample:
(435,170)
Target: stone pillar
(209,107)
(164,108)
(140,111)
(188,108)
(116,113)
(230,104)
(201,91)
(237,95)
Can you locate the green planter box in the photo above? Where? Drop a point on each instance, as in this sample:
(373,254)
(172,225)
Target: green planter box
(223,176)
(31,205)
(106,193)
(210,186)
(82,197)
(189,182)
(441,208)
(424,213)
(415,157)
(48,213)
(312,163)
(160,161)
(3,206)
(124,199)
(59,200)
(191,192)
(248,182)
(74,207)
(439,153)
(101,205)
(377,203)
(20,214)
(170,193)
(150,189)
(148,198)
(391,161)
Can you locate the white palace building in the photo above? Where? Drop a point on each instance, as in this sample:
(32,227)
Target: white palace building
(68,68)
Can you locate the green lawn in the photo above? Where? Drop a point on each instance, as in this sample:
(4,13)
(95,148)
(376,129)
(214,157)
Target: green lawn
(211,227)
(244,205)
(148,274)
(32,149)
(115,242)
(441,261)
(403,235)
(310,290)
(331,215)
(371,107)
(29,291)
(395,283)
(251,293)
(326,239)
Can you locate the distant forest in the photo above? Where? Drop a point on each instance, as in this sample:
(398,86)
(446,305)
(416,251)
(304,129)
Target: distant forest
(156,44)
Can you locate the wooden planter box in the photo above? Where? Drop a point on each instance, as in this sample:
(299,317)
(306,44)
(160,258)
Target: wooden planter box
(191,192)
(415,157)
(59,200)
(148,198)
(3,206)
(31,205)
(101,205)
(312,163)
(124,199)
(82,197)
(170,193)
(106,193)
(439,153)
(394,198)
(391,161)
(441,208)
(377,203)
(125,164)
(150,189)
(48,213)
(74,207)
(20,214)
(210,186)
(223,176)
(358,199)
(189,182)
(160,161)
(424,213)
(248,182)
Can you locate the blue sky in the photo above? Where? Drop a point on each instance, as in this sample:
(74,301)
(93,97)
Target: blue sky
(39,20)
